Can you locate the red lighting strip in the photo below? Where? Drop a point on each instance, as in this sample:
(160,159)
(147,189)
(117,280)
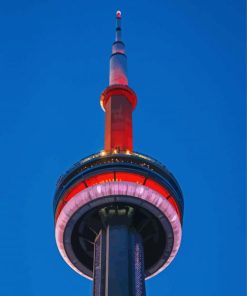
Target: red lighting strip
(102,178)
(174,204)
(129,177)
(79,187)
(118,177)
(157,187)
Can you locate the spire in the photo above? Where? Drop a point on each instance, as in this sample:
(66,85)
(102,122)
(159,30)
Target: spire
(118,59)
(118,26)
(118,100)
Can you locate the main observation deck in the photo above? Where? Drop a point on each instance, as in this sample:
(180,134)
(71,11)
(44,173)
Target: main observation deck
(118,179)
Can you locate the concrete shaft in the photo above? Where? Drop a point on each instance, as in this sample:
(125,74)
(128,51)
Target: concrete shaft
(119,258)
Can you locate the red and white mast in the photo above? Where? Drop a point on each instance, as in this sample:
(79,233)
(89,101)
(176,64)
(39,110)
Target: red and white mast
(118,100)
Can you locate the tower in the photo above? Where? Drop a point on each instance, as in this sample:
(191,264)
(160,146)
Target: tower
(118,213)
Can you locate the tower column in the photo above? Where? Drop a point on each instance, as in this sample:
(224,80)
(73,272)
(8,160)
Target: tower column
(118,259)
(118,124)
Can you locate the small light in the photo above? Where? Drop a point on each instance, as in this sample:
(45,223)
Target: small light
(115,151)
(128,152)
(118,14)
(102,153)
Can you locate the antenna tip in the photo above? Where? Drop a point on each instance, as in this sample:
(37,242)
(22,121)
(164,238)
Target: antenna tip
(118,14)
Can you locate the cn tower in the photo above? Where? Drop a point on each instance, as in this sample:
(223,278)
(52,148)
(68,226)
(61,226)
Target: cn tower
(118,213)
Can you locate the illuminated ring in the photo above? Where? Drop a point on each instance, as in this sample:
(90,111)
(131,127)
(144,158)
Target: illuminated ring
(113,189)
(118,90)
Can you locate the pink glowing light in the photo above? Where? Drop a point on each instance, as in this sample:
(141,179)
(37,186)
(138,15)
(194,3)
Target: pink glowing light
(119,176)
(118,188)
(118,14)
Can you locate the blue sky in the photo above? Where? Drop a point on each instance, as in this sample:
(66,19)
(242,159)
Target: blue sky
(186,64)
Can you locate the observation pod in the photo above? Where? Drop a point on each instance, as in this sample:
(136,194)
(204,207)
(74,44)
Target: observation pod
(118,213)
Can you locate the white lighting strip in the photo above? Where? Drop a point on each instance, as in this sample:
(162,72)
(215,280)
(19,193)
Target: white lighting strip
(118,188)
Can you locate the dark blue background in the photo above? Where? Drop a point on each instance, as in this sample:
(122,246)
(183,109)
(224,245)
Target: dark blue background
(186,63)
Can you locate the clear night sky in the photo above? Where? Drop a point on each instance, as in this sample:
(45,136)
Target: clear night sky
(186,64)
